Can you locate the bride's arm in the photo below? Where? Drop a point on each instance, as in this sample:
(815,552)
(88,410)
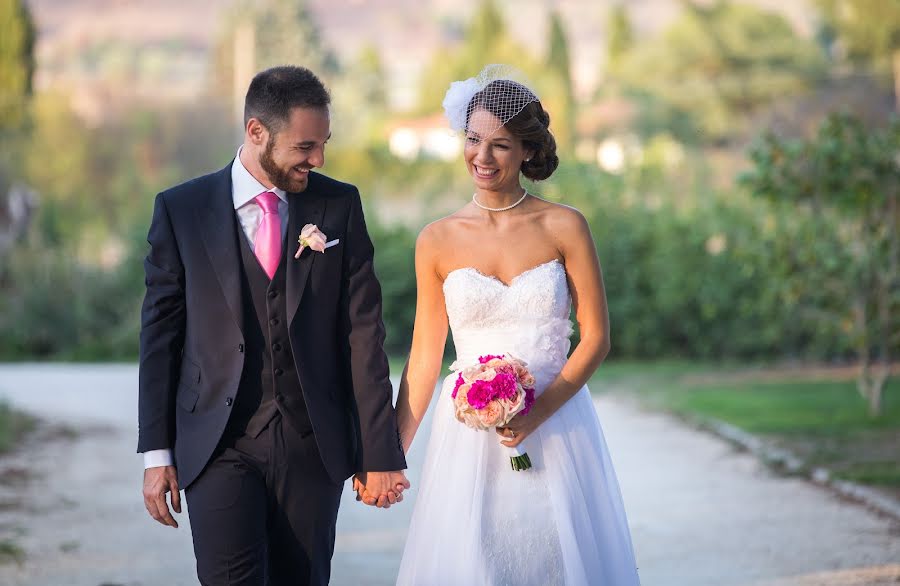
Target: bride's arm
(589,300)
(429,337)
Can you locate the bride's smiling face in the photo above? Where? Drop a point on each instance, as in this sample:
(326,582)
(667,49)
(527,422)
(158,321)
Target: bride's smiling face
(493,157)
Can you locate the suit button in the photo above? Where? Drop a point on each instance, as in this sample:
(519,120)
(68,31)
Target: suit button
(278,372)
(228,402)
(273,294)
(276,346)
(273,321)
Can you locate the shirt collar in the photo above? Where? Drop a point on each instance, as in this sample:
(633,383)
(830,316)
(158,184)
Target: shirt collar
(245,187)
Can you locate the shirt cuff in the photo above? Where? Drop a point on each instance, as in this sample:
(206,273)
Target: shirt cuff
(155,458)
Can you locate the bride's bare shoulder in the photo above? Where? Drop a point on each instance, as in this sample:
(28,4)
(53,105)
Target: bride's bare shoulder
(559,216)
(442,231)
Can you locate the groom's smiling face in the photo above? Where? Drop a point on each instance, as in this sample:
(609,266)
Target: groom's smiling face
(294,149)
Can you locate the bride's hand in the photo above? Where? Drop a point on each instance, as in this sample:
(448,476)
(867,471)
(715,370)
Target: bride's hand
(521,427)
(380,489)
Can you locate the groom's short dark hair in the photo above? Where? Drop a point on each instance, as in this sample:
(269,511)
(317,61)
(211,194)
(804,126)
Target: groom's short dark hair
(274,92)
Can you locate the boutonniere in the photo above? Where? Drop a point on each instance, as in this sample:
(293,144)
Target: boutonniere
(310,237)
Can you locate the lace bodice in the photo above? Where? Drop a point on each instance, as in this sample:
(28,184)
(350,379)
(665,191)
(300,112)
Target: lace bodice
(529,317)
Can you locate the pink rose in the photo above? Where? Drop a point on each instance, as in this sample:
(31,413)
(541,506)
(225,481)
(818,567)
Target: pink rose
(487,374)
(470,418)
(312,237)
(491,415)
(461,394)
(517,403)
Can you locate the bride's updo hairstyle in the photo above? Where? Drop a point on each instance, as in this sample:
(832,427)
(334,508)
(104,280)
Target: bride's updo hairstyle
(531,124)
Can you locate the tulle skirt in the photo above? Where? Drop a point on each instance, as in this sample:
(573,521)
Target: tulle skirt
(478,522)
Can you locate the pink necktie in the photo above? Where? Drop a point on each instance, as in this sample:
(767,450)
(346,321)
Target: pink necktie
(268,238)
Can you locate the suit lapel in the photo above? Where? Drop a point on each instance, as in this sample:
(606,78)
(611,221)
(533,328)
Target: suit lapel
(217,226)
(304,208)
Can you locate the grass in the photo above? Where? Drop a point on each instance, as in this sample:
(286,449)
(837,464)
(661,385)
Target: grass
(826,408)
(814,412)
(13,426)
(10,552)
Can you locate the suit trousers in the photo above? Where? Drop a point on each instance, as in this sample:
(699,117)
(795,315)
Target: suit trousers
(263,511)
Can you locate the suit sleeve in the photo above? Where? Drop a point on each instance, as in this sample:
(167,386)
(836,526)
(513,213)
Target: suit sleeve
(162,334)
(380,445)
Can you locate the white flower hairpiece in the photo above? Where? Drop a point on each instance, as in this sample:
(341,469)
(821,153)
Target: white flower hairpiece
(504,95)
(456,102)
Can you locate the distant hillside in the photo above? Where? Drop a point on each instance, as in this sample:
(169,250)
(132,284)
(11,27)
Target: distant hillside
(407,32)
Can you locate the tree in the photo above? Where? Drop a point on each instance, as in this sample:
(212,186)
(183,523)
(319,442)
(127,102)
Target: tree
(559,95)
(16,62)
(372,78)
(869,30)
(273,32)
(486,41)
(620,34)
(16,70)
(720,63)
(363,91)
(845,185)
(286,32)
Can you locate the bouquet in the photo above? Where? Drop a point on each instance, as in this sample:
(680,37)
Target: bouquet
(492,392)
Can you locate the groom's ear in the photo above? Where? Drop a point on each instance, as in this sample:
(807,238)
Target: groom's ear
(257,132)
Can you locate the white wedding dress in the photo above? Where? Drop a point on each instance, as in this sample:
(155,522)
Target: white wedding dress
(478,522)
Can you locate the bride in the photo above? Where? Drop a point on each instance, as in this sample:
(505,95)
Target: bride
(501,272)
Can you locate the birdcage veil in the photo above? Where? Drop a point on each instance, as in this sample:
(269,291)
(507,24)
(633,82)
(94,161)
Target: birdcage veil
(498,89)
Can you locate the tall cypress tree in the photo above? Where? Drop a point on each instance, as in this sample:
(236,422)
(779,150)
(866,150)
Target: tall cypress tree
(561,96)
(16,62)
(620,34)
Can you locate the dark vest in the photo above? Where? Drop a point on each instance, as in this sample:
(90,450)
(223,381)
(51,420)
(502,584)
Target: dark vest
(269,372)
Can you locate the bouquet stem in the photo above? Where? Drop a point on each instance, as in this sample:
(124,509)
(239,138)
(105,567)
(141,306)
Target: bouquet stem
(520,463)
(519,459)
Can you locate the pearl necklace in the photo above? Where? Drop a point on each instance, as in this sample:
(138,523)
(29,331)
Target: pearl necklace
(509,207)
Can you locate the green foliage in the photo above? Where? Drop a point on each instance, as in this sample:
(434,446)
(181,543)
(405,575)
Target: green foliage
(842,188)
(869,29)
(73,290)
(16,62)
(844,260)
(720,64)
(13,426)
(360,97)
(395,267)
(282,31)
(486,41)
(55,307)
(556,91)
(619,33)
(286,32)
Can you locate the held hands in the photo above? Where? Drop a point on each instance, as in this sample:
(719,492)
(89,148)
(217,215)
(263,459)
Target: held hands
(157,482)
(380,489)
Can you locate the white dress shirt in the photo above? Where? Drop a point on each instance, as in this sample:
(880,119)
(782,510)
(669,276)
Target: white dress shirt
(244,189)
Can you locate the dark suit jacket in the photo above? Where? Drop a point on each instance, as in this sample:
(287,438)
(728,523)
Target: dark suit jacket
(191,340)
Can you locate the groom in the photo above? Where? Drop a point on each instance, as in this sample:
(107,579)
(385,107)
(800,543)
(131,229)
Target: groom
(263,382)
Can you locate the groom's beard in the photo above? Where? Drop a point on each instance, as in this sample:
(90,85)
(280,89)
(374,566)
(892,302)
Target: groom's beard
(279,177)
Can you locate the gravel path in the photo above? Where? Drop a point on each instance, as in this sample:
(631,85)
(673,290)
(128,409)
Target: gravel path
(701,513)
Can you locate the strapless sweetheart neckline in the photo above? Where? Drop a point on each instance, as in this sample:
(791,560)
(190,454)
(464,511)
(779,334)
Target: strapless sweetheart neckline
(498,279)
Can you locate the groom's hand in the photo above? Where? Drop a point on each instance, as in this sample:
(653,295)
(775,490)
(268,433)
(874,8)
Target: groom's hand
(157,482)
(380,489)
